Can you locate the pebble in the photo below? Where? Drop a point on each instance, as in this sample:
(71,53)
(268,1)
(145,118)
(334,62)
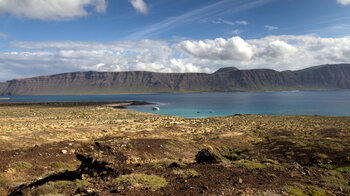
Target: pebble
(240,181)
(64,151)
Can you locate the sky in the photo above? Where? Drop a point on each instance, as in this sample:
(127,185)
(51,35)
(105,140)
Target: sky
(44,37)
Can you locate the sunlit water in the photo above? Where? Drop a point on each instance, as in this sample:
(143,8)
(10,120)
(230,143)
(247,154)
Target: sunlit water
(199,105)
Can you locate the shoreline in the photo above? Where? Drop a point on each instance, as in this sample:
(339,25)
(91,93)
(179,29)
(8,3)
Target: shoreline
(113,104)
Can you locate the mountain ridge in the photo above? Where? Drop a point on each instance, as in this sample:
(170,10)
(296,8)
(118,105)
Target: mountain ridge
(227,79)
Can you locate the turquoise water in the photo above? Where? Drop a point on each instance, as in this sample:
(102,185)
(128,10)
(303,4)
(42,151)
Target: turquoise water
(200,105)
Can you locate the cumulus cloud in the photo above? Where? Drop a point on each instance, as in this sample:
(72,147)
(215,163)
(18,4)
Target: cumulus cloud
(284,52)
(270,28)
(234,48)
(344,2)
(3,35)
(277,52)
(51,9)
(140,6)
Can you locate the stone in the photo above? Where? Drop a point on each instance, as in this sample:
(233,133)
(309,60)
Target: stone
(207,156)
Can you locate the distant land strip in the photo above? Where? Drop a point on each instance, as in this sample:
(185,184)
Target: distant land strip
(229,79)
(114,104)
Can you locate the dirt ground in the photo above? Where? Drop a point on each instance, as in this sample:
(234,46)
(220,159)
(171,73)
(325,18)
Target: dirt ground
(258,154)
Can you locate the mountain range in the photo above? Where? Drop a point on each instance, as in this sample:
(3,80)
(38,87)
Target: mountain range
(228,79)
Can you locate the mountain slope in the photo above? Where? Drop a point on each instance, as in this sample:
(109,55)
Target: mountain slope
(325,77)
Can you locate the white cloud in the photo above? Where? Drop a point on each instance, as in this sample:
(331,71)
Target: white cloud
(234,48)
(241,22)
(276,52)
(3,35)
(269,27)
(282,52)
(344,2)
(200,14)
(237,31)
(140,6)
(228,22)
(51,9)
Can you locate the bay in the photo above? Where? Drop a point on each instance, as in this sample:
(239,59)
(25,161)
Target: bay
(201,105)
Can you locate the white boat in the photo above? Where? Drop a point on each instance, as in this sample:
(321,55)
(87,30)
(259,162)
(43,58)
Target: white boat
(156,108)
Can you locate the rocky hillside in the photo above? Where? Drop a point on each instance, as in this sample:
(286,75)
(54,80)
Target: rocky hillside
(324,77)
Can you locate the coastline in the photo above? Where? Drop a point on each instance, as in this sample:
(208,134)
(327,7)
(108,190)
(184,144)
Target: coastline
(113,104)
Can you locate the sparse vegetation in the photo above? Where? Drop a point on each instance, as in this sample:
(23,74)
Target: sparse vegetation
(188,173)
(250,164)
(46,189)
(151,182)
(325,165)
(343,170)
(162,163)
(5,183)
(60,166)
(70,184)
(335,179)
(270,149)
(21,165)
(228,153)
(305,190)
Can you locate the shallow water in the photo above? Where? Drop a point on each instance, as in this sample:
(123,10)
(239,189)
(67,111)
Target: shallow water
(200,105)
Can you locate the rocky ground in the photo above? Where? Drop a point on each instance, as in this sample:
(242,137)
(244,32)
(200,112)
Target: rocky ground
(100,150)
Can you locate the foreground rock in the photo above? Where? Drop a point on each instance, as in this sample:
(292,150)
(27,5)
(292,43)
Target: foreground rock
(207,156)
(100,160)
(97,162)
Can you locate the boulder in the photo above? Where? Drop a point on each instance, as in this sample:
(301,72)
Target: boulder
(207,156)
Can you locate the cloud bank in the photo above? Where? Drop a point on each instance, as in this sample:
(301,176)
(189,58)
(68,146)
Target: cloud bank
(51,9)
(285,52)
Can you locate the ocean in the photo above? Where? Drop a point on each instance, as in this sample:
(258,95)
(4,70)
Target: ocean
(202,105)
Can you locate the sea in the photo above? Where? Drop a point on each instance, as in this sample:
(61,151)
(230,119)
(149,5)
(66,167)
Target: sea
(203,105)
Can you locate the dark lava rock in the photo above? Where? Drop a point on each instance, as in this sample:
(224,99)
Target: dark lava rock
(207,156)
(100,160)
(174,165)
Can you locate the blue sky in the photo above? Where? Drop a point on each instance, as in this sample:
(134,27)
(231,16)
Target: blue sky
(47,37)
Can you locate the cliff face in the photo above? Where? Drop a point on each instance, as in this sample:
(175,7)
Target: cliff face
(326,77)
(3,87)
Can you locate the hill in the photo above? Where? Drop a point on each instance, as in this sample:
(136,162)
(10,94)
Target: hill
(324,77)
